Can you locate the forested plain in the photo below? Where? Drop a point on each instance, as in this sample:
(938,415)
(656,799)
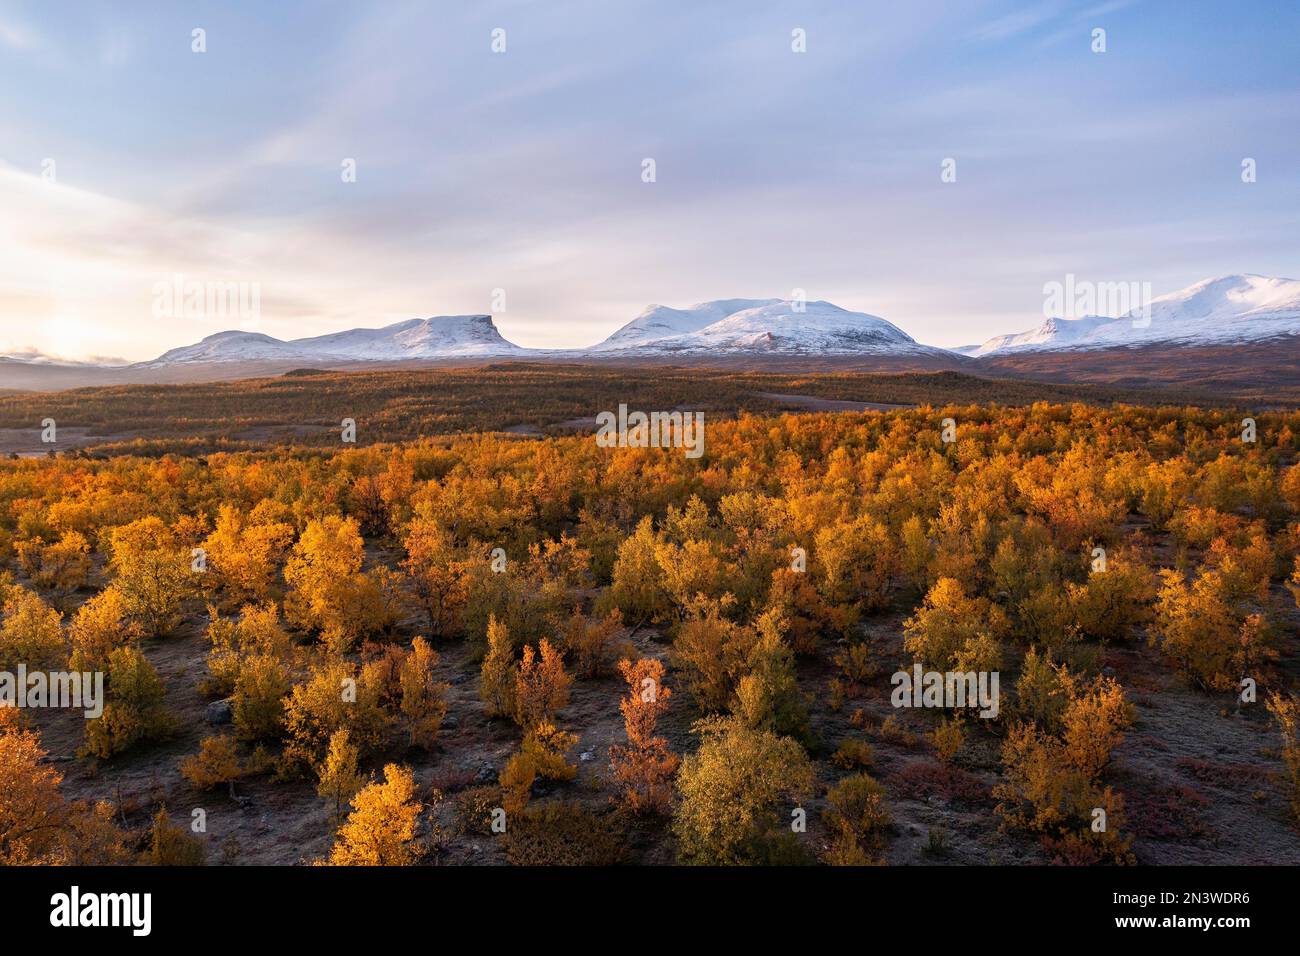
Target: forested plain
(476,636)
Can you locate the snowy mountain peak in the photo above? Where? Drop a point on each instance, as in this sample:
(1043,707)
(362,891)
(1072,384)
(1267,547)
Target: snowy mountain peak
(235,335)
(1218,311)
(231,346)
(444,336)
(441,336)
(1052,333)
(1229,297)
(761,325)
(661,321)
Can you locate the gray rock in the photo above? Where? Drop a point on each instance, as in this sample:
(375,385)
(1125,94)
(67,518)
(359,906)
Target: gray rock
(486,774)
(218,712)
(587,755)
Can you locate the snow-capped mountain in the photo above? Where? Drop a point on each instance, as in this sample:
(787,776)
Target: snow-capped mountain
(661,322)
(445,336)
(1229,309)
(34,357)
(228,347)
(1052,333)
(773,326)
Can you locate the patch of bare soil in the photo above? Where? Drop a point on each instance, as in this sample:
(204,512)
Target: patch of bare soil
(1200,773)
(578,424)
(27,443)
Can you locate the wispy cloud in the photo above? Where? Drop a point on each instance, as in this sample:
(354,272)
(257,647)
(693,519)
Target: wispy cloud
(521,170)
(16,35)
(1019,21)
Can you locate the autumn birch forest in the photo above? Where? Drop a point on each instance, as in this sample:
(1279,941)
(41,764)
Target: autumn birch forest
(493,647)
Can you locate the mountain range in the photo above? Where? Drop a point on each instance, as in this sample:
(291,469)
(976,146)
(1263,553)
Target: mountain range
(1221,312)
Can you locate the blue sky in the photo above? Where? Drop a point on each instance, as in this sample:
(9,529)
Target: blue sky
(522,170)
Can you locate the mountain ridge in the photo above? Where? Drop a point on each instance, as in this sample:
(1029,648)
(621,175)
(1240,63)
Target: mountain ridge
(774,326)
(1237,308)
(411,339)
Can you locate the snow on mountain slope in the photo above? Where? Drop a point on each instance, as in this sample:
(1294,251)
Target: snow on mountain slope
(660,321)
(1236,308)
(1233,308)
(1052,333)
(776,326)
(1231,297)
(444,336)
(227,347)
(34,357)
